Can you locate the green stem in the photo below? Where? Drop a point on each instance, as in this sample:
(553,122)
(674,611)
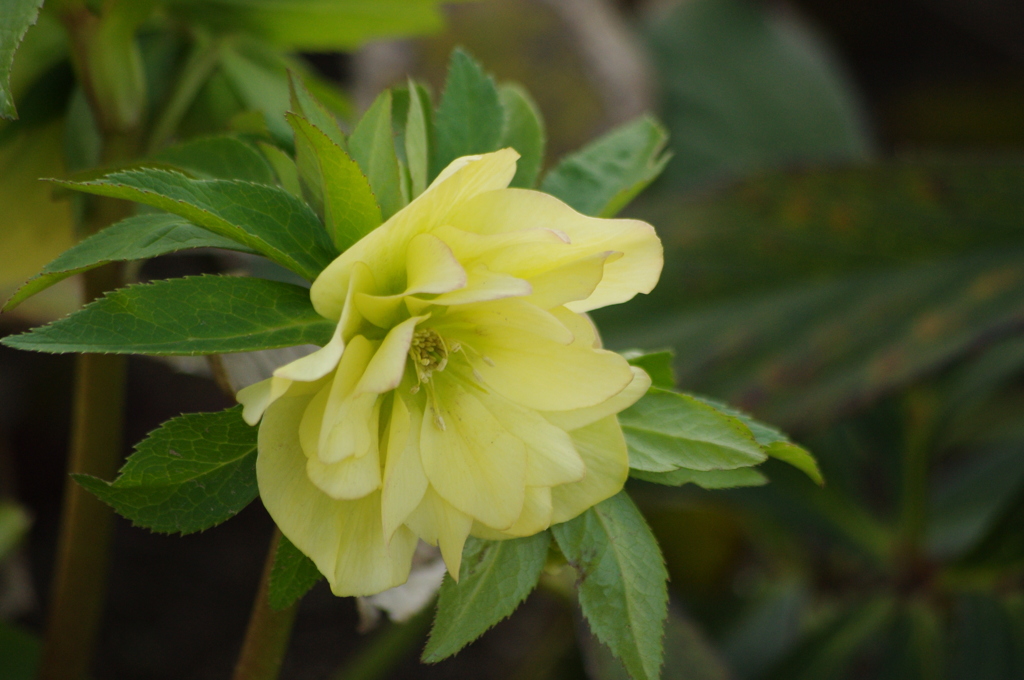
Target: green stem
(266,638)
(388,648)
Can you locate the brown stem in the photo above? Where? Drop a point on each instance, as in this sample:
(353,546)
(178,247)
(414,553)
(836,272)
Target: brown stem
(266,638)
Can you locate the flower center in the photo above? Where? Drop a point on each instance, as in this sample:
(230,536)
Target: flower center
(429,353)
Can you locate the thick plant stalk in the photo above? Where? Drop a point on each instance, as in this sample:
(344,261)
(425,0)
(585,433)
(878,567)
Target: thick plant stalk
(268,633)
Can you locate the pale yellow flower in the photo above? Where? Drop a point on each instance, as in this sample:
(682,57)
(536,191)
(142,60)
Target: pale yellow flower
(464,392)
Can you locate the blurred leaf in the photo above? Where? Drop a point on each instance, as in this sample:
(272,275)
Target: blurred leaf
(917,635)
(495,578)
(350,210)
(804,356)
(291,577)
(284,168)
(193,315)
(220,157)
(621,585)
(766,631)
(688,654)
(524,132)
(260,82)
(19,15)
(830,650)
(469,119)
(666,431)
(971,498)
(135,238)
(372,146)
(419,125)
(193,472)
(14,523)
(602,177)
(658,366)
(982,640)
(744,88)
(20,652)
(315,25)
(706,479)
(266,219)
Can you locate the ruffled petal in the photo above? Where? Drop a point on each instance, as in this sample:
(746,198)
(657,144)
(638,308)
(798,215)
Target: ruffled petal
(577,418)
(343,538)
(439,523)
(536,517)
(603,449)
(404,479)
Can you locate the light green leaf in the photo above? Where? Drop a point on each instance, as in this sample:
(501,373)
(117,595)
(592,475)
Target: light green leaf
(193,472)
(266,219)
(798,457)
(194,315)
(307,106)
(284,167)
(18,16)
(496,576)
(469,119)
(315,25)
(524,132)
(219,157)
(350,210)
(666,431)
(418,124)
(134,238)
(601,178)
(622,576)
(372,146)
(658,365)
(291,577)
(259,79)
(706,479)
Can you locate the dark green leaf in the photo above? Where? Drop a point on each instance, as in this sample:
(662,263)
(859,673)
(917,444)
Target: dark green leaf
(195,315)
(372,146)
(983,640)
(19,15)
(601,178)
(524,132)
(658,365)
(134,238)
(743,87)
(291,577)
(266,219)
(622,576)
(496,576)
(193,472)
(350,210)
(284,167)
(20,651)
(767,630)
(220,157)
(666,431)
(706,479)
(469,119)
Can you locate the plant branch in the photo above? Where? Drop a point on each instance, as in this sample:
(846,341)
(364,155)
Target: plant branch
(266,638)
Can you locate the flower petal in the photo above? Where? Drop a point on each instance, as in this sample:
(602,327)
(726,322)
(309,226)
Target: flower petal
(345,429)
(387,366)
(577,418)
(536,517)
(404,479)
(343,538)
(471,460)
(603,449)
(439,523)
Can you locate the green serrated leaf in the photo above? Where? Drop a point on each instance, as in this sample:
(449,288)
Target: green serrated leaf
(372,146)
(307,106)
(134,238)
(194,315)
(524,132)
(622,581)
(219,157)
(658,365)
(706,479)
(798,457)
(418,124)
(266,219)
(350,210)
(291,577)
(601,178)
(193,472)
(18,16)
(469,119)
(284,168)
(666,431)
(496,576)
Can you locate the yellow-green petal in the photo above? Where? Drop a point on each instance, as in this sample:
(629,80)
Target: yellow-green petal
(439,523)
(404,479)
(604,452)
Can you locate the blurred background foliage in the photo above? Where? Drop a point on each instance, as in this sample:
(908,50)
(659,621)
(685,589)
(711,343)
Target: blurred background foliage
(843,220)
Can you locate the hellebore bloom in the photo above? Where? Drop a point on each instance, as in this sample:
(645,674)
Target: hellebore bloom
(464,392)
